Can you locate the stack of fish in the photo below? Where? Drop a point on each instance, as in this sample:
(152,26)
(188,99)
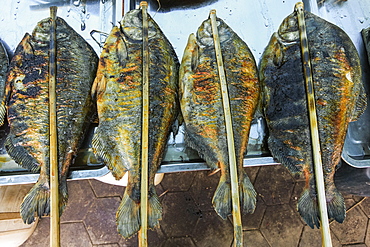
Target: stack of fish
(27,102)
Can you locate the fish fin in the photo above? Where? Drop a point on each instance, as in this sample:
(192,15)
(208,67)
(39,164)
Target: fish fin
(247,195)
(37,200)
(222,198)
(154,209)
(104,152)
(308,209)
(280,152)
(128,216)
(360,105)
(195,53)
(336,206)
(20,155)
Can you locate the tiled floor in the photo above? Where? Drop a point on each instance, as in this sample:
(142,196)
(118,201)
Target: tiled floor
(189,219)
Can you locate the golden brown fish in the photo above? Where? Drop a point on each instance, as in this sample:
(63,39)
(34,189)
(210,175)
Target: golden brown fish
(339,99)
(202,108)
(28,107)
(118,90)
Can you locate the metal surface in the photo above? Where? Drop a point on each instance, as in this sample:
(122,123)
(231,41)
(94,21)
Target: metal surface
(253,21)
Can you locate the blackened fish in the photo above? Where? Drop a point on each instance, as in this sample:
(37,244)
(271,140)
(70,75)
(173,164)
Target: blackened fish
(28,114)
(4,66)
(202,108)
(118,90)
(339,96)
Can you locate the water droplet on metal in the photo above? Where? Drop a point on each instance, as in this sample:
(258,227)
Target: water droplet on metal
(361,20)
(83,26)
(87,16)
(77,3)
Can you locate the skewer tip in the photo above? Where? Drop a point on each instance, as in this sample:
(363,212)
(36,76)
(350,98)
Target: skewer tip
(212,12)
(299,6)
(53,11)
(143,3)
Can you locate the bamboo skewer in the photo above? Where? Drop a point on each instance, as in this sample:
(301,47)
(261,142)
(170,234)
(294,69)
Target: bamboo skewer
(54,174)
(319,177)
(237,222)
(143,236)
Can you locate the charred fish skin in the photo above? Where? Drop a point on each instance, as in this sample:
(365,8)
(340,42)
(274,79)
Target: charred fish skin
(27,105)
(202,109)
(339,95)
(4,66)
(118,90)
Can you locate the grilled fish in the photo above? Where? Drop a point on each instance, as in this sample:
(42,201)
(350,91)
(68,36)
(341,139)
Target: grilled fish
(4,66)
(339,96)
(118,91)
(28,114)
(202,108)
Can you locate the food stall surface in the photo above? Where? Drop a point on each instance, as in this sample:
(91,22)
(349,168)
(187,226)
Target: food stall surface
(189,219)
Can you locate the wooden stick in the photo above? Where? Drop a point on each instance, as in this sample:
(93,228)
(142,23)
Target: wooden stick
(238,231)
(54,174)
(319,176)
(143,235)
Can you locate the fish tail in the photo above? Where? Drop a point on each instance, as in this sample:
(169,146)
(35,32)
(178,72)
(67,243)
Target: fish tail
(222,198)
(154,209)
(336,206)
(37,200)
(247,195)
(308,209)
(128,214)
(2,113)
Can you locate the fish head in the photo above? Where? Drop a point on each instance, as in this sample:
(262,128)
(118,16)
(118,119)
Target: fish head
(289,30)
(205,34)
(132,25)
(41,33)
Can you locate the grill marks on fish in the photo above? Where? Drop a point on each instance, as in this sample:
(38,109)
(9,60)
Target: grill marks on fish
(339,99)
(202,110)
(28,115)
(118,90)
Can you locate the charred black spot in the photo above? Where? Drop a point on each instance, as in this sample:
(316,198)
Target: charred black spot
(33,91)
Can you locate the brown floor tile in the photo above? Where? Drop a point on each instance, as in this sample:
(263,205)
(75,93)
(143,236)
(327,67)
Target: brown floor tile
(253,221)
(178,181)
(155,238)
(274,184)
(281,226)
(212,231)
(41,236)
(179,242)
(365,206)
(105,190)
(80,199)
(312,237)
(100,220)
(367,238)
(180,214)
(252,172)
(203,188)
(353,229)
(74,235)
(106,245)
(254,238)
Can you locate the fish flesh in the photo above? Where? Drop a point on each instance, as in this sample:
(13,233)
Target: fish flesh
(27,103)
(118,92)
(4,66)
(339,98)
(202,107)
